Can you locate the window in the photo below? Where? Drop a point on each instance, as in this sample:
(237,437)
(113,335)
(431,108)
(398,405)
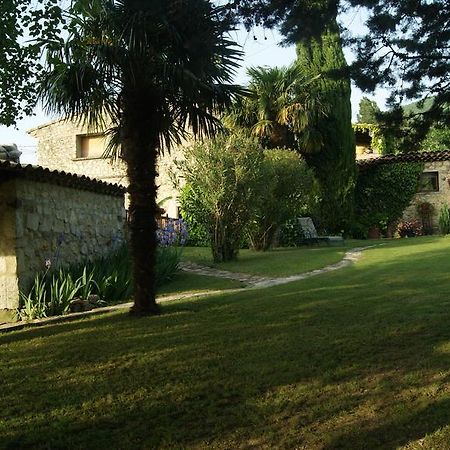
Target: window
(90,145)
(429,182)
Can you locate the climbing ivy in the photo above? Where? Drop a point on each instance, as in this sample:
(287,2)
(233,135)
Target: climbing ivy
(378,140)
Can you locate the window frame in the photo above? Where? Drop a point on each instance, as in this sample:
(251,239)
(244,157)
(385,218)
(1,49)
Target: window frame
(433,180)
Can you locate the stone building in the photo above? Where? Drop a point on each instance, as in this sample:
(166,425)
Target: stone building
(52,216)
(434,185)
(68,146)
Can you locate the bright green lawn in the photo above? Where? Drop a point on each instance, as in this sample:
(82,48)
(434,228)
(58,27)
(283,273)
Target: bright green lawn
(278,262)
(354,359)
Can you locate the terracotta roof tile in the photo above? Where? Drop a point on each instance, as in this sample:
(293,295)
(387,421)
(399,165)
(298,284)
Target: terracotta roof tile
(9,169)
(405,157)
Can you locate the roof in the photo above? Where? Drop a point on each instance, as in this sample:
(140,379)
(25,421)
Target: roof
(10,169)
(405,157)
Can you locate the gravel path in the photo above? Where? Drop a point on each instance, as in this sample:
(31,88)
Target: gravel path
(249,281)
(255,281)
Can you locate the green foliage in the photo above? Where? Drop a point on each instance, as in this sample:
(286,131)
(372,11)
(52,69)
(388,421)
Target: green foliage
(437,139)
(146,72)
(285,193)
(167,261)
(444,219)
(378,140)
(406,43)
(279,103)
(368,110)
(382,194)
(333,161)
(193,215)
(291,234)
(224,175)
(109,278)
(24,25)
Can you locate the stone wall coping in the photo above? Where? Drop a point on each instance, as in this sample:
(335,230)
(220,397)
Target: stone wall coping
(429,156)
(66,179)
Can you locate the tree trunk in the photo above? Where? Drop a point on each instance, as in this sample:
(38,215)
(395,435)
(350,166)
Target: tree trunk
(139,139)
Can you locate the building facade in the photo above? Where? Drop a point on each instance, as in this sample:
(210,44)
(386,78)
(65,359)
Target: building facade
(68,146)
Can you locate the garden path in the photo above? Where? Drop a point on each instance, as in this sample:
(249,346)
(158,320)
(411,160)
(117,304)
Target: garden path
(255,281)
(249,281)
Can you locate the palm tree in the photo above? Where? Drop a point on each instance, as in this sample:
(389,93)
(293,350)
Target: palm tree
(152,69)
(278,108)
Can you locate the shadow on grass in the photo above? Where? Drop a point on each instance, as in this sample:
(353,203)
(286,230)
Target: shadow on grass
(336,361)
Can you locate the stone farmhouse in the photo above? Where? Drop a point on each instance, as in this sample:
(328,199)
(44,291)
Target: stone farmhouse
(70,147)
(434,185)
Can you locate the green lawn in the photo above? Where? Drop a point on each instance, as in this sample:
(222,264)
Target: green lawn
(354,359)
(278,262)
(188,282)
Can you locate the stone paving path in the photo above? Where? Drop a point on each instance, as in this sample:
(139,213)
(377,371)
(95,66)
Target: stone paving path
(255,281)
(249,281)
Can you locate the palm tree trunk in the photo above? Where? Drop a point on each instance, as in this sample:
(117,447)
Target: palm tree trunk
(140,150)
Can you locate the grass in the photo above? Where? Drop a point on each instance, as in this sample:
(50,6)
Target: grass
(276,263)
(188,282)
(354,359)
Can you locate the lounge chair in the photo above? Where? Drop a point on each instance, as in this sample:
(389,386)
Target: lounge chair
(310,235)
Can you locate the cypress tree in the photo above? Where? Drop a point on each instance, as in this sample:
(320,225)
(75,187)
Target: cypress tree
(333,157)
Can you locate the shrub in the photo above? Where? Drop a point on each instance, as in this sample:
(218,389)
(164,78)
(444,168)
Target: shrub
(383,192)
(285,194)
(193,214)
(224,178)
(444,219)
(105,280)
(409,228)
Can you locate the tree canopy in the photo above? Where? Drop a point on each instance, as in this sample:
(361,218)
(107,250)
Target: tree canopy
(21,24)
(368,110)
(406,47)
(154,70)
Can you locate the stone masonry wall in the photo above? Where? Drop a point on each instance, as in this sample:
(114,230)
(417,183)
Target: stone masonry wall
(437,199)
(8,267)
(61,224)
(57,150)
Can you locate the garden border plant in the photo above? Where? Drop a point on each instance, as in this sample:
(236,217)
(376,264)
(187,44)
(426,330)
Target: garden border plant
(107,280)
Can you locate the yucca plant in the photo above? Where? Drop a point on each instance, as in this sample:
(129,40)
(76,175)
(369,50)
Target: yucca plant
(34,304)
(444,219)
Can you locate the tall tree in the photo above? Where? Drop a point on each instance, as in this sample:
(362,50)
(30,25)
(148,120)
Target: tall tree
(278,104)
(407,49)
(21,23)
(155,69)
(333,161)
(368,110)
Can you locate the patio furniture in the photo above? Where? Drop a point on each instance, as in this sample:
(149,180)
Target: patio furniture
(310,235)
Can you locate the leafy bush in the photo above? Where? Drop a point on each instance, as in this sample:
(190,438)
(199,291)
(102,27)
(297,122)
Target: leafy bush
(105,280)
(382,194)
(193,214)
(444,219)
(224,178)
(409,228)
(285,193)
(291,234)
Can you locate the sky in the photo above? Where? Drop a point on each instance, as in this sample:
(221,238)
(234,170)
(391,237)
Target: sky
(260,49)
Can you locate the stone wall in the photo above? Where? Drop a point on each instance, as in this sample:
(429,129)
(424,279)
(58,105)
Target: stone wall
(57,149)
(46,221)
(437,199)
(8,264)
